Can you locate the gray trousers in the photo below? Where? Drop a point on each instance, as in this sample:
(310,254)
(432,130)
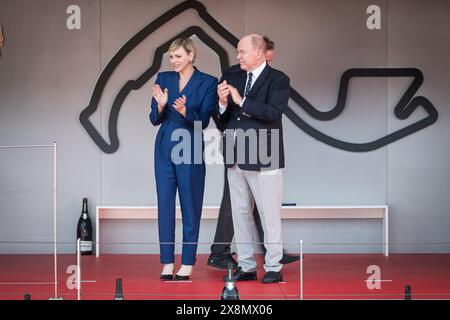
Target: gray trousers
(267,190)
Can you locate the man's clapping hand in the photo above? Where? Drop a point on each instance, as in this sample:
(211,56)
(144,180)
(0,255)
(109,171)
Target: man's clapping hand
(224,89)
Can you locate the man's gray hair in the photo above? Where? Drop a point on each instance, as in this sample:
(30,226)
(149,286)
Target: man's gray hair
(258,42)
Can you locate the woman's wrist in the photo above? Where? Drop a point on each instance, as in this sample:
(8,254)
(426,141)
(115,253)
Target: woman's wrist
(160,108)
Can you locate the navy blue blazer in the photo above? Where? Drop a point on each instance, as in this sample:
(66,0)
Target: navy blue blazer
(201,99)
(262,111)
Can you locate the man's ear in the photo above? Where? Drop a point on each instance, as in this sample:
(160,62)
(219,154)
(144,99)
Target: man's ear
(260,54)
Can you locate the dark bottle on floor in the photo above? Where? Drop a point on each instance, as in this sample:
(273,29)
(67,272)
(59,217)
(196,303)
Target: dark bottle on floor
(408,293)
(119,293)
(230,291)
(84,230)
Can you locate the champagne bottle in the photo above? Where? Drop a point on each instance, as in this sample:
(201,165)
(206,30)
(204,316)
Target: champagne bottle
(119,293)
(408,292)
(84,230)
(230,292)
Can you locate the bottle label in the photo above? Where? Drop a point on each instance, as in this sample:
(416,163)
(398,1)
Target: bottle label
(85,246)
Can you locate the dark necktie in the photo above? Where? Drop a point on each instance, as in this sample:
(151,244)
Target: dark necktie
(249,84)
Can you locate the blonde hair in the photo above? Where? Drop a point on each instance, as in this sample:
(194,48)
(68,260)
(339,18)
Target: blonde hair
(185,43)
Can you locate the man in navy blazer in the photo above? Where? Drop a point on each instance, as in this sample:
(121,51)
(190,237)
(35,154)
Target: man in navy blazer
(221,256)
(251,105)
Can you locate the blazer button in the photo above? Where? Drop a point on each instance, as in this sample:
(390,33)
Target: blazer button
(238,119)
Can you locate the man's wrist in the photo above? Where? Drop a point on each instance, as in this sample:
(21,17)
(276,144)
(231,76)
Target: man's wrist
(242,102)
(222,107)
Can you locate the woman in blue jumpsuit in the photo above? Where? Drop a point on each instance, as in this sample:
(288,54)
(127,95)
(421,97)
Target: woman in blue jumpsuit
(180,98)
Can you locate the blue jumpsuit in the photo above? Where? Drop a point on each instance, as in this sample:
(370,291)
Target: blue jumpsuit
(188,177)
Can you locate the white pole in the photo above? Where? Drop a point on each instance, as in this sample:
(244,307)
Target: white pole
(301,269)
(54,202)
(79,268)
(54,220)
(97,233)
(386,231)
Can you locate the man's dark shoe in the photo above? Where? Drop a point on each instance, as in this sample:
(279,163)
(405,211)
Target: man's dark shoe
(240,275)
(221,261)
(272,277)
(289,259)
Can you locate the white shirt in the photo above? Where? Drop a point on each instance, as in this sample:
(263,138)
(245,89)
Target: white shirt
(256,73)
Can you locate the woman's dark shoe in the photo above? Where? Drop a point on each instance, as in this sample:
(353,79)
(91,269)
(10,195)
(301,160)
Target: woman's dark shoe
(167,272)
(166,277)
(181,278)
(184,273)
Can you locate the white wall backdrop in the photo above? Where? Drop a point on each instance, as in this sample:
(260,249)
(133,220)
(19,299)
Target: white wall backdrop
(48,74)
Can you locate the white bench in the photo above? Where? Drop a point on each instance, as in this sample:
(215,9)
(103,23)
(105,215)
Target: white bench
(287,212)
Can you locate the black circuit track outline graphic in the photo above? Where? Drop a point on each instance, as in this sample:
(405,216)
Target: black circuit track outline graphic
(404,108)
